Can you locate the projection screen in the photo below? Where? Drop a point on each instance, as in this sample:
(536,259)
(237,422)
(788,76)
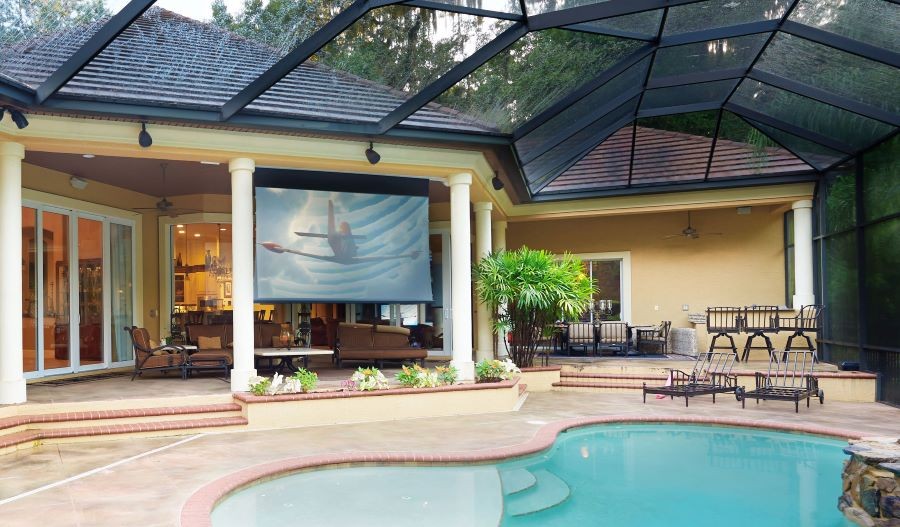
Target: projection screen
(334,246)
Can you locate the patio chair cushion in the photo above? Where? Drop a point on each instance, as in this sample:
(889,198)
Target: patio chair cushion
(201,358)
(392,329)
(164,360)
(209,343)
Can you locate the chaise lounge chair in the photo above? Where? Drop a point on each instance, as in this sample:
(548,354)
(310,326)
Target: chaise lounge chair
(790,379)
(711,375)
(163,358)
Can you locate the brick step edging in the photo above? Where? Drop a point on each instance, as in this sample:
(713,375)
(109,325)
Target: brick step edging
(100,415)
(566,384)
(630,376)
(129,428)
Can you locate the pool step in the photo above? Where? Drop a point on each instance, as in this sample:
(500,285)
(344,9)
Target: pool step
(606,382)
(517,480)
(547,492)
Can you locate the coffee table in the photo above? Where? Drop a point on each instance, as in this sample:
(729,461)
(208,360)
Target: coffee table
(286,356)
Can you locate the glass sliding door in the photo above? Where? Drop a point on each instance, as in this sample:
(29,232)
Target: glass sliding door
(90,292)
(56,296)
(121,276)
(30,324)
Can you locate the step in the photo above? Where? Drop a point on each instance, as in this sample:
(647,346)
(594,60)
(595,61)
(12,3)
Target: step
(516,480)
(548,492)
(102,417)
(31,438)
(601,387)
(613,378)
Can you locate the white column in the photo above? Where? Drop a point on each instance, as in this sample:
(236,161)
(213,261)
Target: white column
(242,270)
(803,254)
(484,348)
(12,378)
(461,275)
(498,240)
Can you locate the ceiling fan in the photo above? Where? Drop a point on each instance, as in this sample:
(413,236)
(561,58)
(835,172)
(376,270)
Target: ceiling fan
(164,206)
(690,232)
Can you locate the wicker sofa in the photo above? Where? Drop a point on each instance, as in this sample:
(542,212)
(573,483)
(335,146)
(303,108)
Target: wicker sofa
(375,343)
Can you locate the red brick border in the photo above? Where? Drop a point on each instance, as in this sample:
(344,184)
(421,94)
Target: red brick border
(196,511)
(249,398)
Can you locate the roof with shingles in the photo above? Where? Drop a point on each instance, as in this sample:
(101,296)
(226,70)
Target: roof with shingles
(165,58)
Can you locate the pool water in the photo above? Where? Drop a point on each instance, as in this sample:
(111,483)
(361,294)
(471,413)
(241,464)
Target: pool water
(612,475)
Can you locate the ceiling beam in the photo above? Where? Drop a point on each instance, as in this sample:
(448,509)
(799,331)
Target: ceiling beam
(737,30)
(868,51)
(792,129)
(465,10)
(300,54)
(93,47)
(587,13)
(826,97)
(697,77)
(583,91)
(456,74)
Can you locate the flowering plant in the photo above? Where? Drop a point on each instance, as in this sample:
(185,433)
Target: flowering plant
(368,379)
(305,380)
(495,370)
(416,376)
(260,385)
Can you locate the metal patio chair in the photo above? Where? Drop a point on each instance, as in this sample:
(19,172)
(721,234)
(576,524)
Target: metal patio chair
(808,319)
(581,334)
(163,358)
(723,321)
(613,336)
(657,338)
(757,321)
(711,375)
(790,379)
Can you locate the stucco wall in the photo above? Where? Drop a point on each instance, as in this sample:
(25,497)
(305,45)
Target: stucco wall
(743,266)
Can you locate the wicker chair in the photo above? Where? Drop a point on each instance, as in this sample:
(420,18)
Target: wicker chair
(613,336)
(581,334)
(163,358)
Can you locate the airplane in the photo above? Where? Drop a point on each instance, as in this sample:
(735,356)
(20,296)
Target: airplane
(342,242)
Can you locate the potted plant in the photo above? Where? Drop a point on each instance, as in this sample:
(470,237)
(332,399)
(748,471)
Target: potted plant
(527,290)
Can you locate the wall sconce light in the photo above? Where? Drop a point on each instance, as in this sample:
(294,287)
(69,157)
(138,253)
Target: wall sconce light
(373,156)
(144,138)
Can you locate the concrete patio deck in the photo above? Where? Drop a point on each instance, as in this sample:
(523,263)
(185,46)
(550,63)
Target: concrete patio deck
(140,481)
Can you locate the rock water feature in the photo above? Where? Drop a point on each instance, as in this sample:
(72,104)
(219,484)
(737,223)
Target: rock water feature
(872,483)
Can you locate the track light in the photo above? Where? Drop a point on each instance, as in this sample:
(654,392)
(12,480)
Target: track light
(495,181)
(373,156)
(17,116)
(144,138)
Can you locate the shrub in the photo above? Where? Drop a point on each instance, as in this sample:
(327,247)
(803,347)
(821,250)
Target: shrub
(495,370)
(306,379)
(260,385)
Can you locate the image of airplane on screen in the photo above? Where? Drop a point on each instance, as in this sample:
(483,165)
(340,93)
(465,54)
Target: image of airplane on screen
(342,242)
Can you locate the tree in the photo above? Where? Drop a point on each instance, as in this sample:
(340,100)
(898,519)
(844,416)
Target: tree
(23,19)
(527,290)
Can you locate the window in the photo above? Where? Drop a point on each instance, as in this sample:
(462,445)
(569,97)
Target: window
(606,303)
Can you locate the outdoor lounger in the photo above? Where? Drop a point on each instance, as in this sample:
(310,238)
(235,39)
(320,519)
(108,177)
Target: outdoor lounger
(791,379)
(711,375)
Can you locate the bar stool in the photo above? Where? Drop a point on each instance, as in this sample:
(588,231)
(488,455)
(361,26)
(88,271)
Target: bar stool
(757,322)
(807,320)
(722,321)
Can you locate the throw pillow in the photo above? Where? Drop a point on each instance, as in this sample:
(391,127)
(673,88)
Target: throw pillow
(209,343)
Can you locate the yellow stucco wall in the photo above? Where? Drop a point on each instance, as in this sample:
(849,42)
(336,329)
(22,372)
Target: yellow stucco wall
(743,266)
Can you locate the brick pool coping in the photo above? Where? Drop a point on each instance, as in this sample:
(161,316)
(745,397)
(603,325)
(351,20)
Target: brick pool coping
(198,508)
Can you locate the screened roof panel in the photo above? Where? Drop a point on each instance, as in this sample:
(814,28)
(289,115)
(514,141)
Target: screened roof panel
(36,39)
(721,13)
(663,151)
(832,70)
(415,49)
(605,166)
(557,159)
(556,129)
(873,22)
(675,96)
(485,72)
(642,25)
(532,74)
(815,154)
(829,121)
(743,151)
(713,55)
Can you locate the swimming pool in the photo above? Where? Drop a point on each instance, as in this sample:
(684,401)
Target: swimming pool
(616,475)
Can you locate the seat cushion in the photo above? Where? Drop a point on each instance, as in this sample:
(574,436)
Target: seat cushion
(209,343)
(211,357)
(163,361)
(383,354)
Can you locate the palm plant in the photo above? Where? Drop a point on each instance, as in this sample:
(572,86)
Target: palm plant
(526,290)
